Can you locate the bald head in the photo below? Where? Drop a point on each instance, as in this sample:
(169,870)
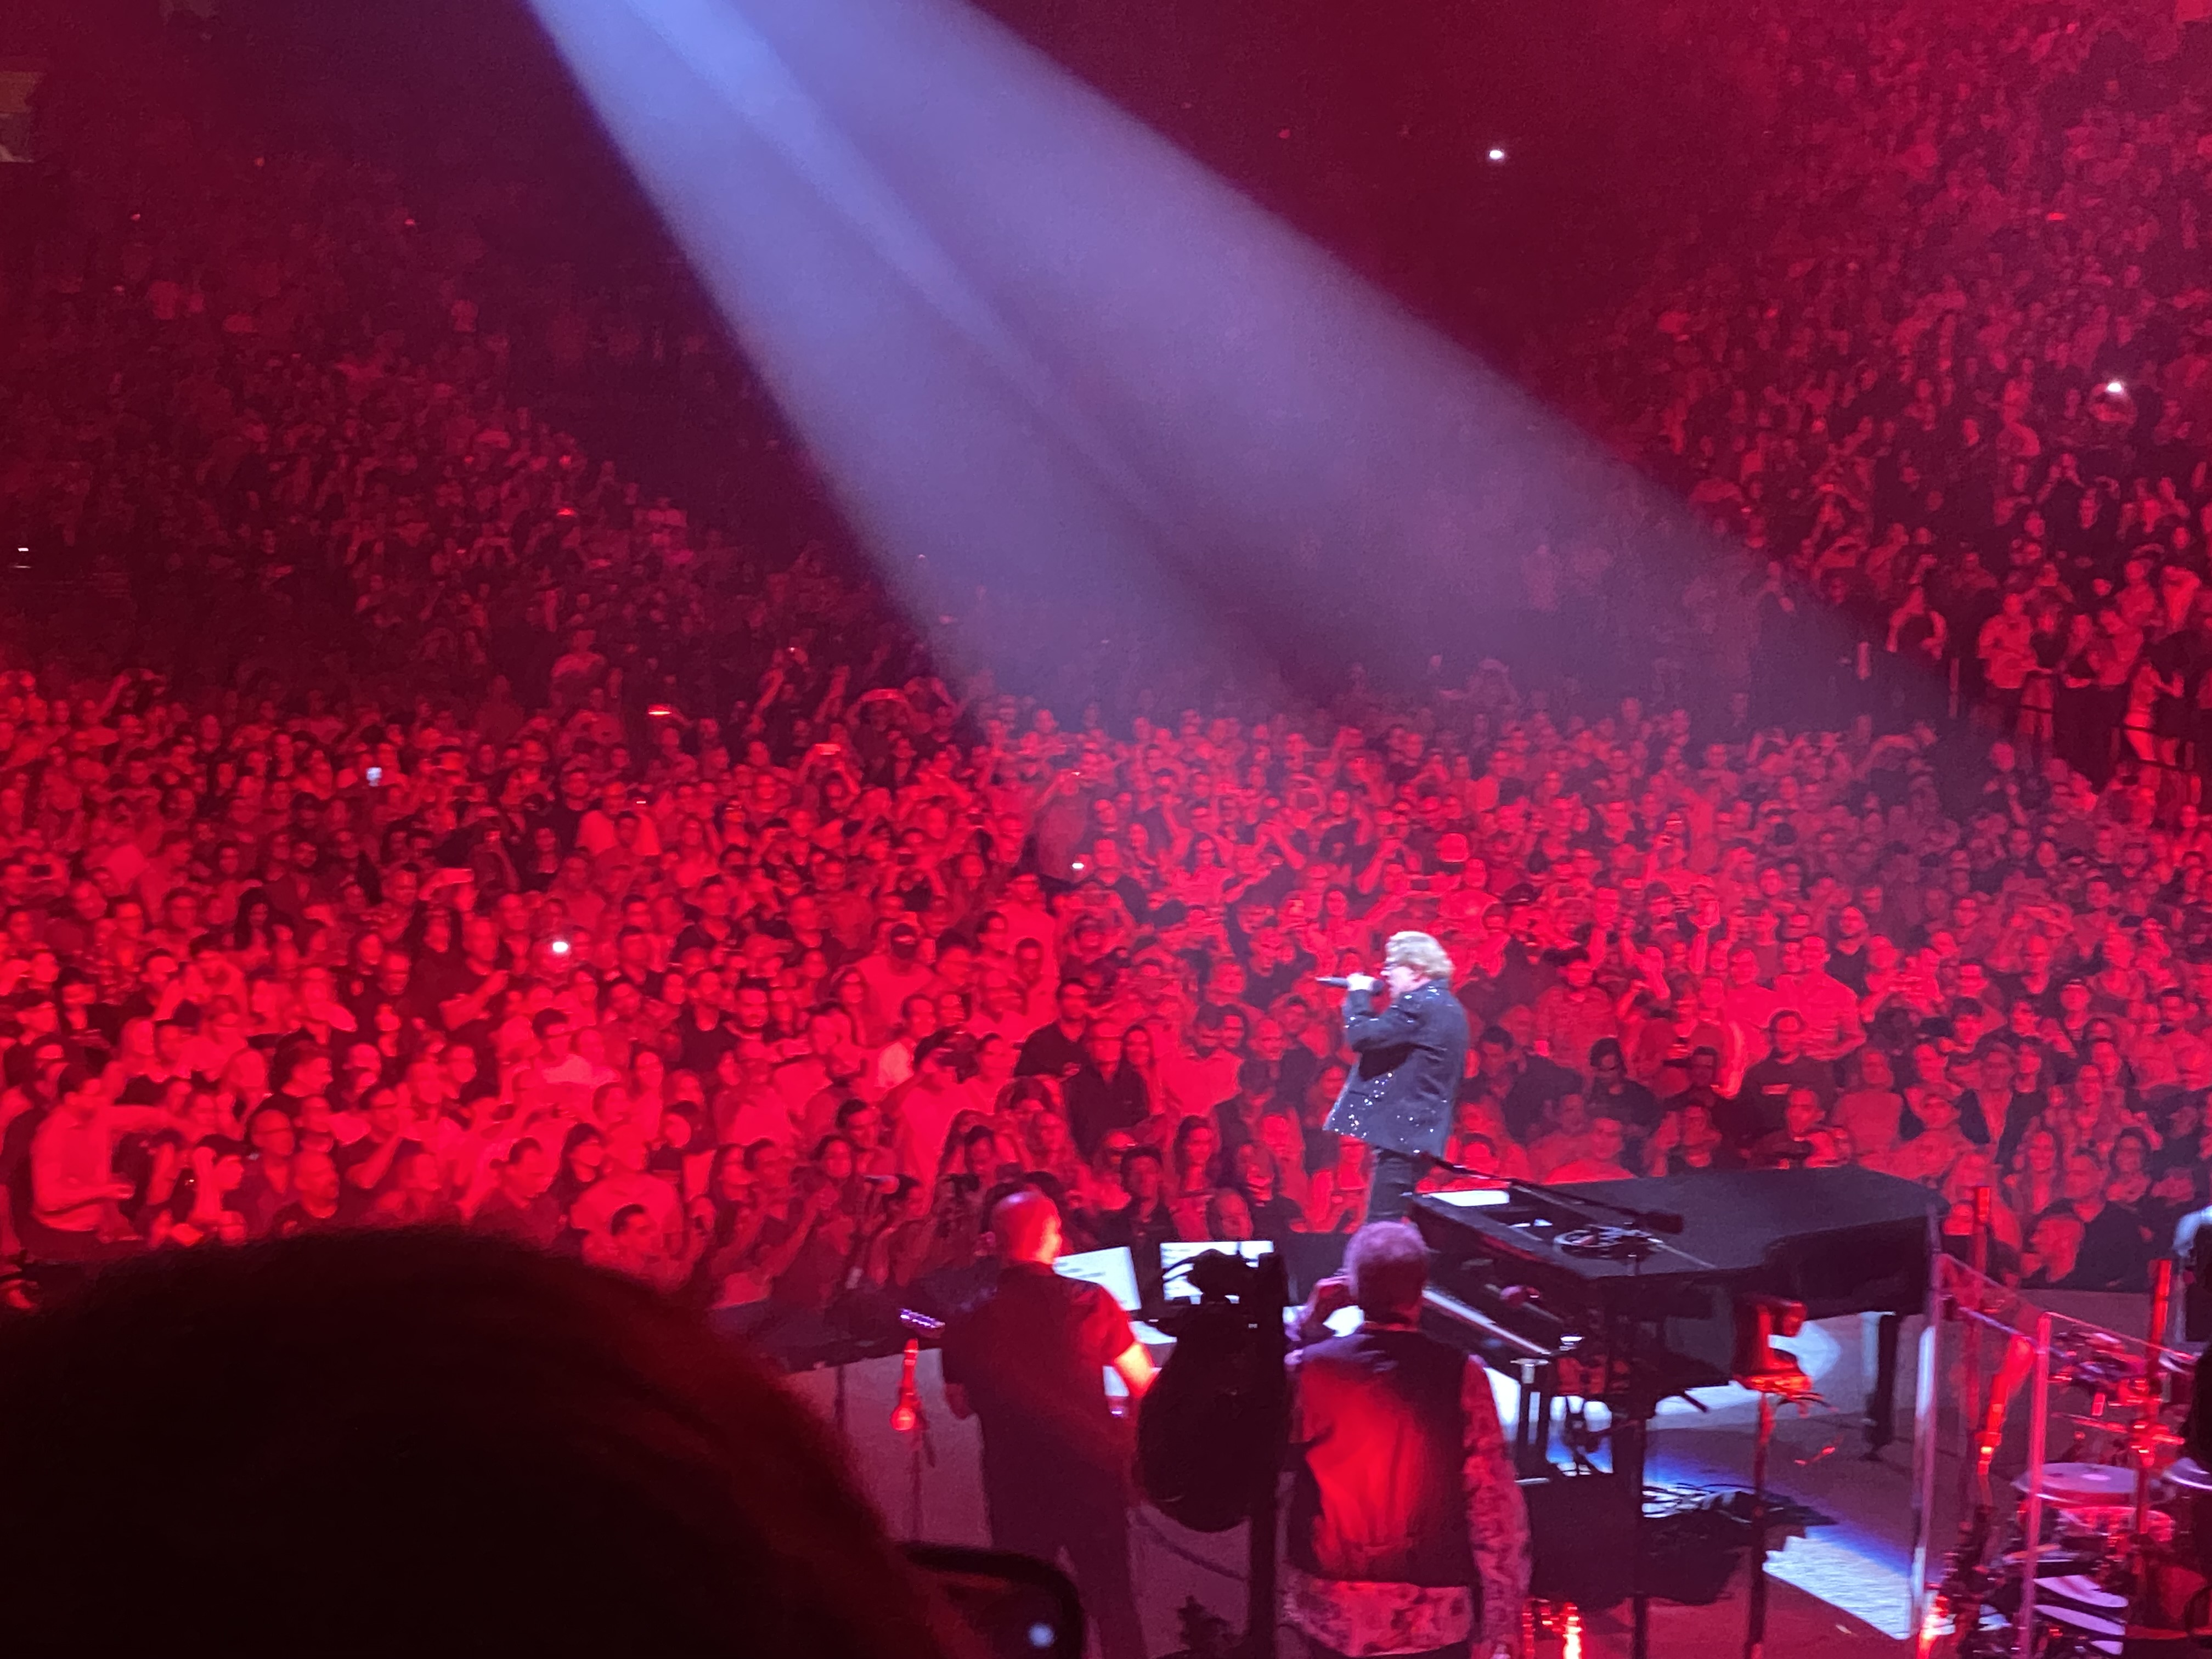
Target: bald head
(1026,1224)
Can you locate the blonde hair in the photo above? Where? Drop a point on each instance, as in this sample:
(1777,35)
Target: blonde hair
(1419,951)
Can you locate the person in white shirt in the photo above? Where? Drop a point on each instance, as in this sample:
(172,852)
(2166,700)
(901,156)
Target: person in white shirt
(926,1108)
(565,1074)
(917,1023)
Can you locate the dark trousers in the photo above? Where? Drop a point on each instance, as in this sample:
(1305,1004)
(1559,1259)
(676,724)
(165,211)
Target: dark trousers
(1390,1183)
(1095,1535)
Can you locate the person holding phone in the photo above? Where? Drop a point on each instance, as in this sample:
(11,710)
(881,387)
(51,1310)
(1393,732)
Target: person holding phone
(1406,1533)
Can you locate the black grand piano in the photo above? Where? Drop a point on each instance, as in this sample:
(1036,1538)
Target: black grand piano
(1624,1293)
(1837,1241)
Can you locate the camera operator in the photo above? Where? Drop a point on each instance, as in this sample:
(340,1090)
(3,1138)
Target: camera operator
(1407,1535)
(1029,1358)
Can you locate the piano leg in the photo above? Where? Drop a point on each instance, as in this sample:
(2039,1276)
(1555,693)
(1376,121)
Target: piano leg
(1880,1370)
(1754,1640)
(1531,1427)
(1548,1399)
(1628,1441)
(1629,1428)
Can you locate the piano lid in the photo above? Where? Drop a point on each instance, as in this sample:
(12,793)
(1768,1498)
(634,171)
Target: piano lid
(1734,1221)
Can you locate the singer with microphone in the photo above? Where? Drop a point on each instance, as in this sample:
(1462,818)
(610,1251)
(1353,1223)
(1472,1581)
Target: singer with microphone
(1412,1055)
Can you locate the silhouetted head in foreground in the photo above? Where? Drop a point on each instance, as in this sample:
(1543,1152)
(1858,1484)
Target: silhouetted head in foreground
(426,1445)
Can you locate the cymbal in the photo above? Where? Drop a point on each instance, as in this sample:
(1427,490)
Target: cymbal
(2164,1436)
(2189,1474)
(2083,1483)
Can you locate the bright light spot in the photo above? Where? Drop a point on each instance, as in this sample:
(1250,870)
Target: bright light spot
(560,947)
(2116,388)
(1931,1626)
(1496,153)
(1571,1642)
(1041,1636)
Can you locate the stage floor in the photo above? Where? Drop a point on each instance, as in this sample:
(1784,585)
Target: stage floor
(1840,1591)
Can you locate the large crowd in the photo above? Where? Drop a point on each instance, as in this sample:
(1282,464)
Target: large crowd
(496,846)
(1944,369)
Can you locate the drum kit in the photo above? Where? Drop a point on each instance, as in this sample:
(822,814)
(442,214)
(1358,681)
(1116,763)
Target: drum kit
(2107,1545)
(2103,1586)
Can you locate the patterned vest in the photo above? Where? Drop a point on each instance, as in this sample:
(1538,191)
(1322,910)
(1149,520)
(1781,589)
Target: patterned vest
(1378,1495)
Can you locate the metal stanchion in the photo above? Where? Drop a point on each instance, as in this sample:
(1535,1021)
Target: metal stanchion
(1970,1338)
(2038,1428)
(1925,1429)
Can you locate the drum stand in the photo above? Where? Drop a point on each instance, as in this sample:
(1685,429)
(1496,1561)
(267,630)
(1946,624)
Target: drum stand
(2143,1398)
(2146,1394)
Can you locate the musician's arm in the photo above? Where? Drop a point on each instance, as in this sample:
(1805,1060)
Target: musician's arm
(1365,1029)
(1306,1325)
(1133,1365)
(1497,1517)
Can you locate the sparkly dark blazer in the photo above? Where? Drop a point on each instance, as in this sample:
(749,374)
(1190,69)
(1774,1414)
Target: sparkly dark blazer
(1412,1056)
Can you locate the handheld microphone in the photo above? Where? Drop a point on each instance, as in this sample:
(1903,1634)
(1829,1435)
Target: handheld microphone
(1338,981)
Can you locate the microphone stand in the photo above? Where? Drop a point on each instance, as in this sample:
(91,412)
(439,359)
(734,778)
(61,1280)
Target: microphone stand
(908,1417)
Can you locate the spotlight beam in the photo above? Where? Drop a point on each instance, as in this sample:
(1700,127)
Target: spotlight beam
(737,63)
(1033,345)
(957,461)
